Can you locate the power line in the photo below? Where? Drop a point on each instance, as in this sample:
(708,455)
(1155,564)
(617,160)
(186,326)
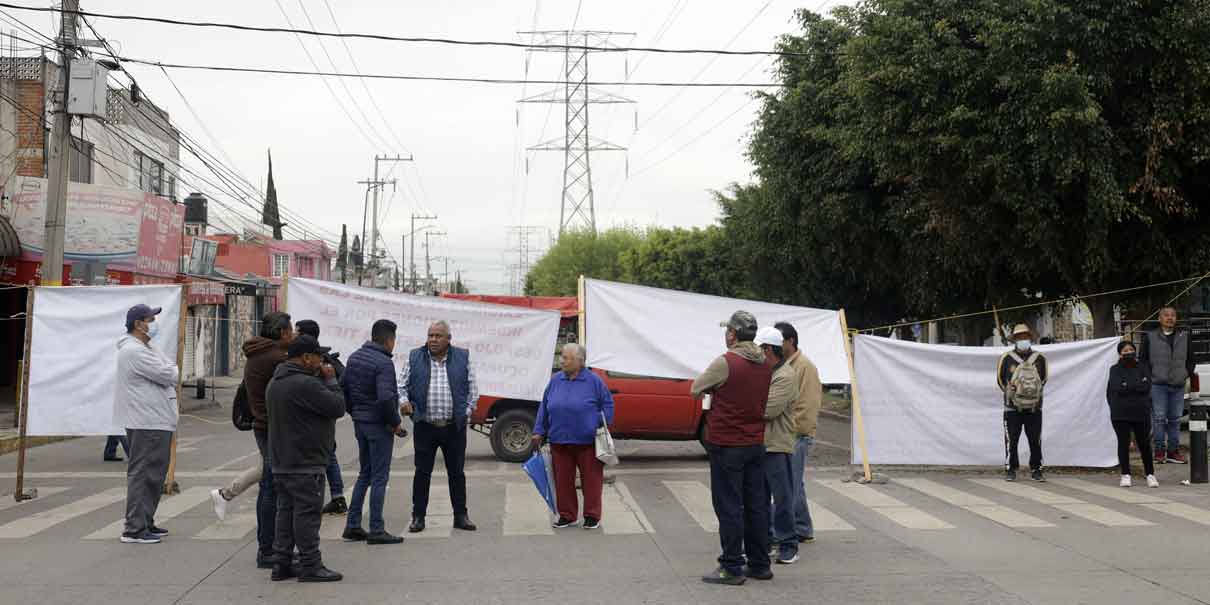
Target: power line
(296,72)
(412,39)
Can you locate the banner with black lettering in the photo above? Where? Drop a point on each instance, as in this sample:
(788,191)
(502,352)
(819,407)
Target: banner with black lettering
(512,348)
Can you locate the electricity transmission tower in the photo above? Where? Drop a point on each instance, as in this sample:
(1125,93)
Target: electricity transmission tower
(577,144)
(524,253)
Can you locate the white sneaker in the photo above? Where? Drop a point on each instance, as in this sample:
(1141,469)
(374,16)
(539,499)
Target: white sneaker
(220,504)
(1125,482)
(1152,481)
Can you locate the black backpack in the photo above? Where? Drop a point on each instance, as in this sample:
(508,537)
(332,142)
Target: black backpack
(241,414)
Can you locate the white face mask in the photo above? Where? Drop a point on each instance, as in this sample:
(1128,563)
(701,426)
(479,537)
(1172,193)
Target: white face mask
(153,328)
(1022,345)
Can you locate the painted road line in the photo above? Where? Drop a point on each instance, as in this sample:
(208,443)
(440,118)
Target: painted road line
(891,508)
(632,506)
(403,448)
(332,526)
(695,498)
(525,512)
(619,516)
(228,464)
(8,501)
(28,526)
(235,527)
(1092,512)
(975,504)
(439,517)
(170,506)
(1144,497)
(823,519)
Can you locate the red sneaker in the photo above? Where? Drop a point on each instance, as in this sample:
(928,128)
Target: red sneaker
(1161,457)
(1175,457)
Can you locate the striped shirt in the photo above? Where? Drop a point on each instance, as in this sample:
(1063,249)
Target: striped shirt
(441,399)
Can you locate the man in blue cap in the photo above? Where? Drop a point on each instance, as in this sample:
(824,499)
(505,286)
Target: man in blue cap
(144,403)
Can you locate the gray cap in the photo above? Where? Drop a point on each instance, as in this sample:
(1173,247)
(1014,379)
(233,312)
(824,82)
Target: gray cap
(740,320)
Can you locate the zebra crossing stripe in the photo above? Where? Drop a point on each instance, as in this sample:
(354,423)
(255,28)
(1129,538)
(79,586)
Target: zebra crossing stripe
(1092,512)
(43,492)
(887,506)
(1142,497)
(235,527)
(694,497)
(403,448)
(525,512)
(823,519)
(975,504)
(620,513)
(170,506)
(28,526)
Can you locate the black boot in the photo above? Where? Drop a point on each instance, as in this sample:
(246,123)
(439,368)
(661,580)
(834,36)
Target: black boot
(320,574)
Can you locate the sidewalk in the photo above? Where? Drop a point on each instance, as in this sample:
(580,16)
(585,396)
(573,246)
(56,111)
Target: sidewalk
(220,390)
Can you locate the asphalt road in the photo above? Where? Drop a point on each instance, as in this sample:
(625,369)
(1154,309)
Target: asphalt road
(926,537)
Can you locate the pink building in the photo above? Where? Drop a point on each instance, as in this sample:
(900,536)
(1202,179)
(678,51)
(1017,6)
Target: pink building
(271,259)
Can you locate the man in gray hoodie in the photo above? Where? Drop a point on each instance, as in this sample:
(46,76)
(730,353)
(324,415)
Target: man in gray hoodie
(145,405)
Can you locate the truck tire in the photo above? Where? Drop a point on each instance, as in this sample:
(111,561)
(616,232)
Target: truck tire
(510,435)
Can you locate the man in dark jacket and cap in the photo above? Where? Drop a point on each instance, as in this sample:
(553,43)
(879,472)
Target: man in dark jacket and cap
(336,484)
(264,354)
(304,400)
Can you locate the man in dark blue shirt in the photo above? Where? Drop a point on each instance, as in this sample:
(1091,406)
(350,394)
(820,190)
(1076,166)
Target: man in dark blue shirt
(373,399)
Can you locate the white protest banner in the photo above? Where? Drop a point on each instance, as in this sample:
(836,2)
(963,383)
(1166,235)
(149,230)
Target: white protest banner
(673,334)
(512,348)
(74,353)
(940,404)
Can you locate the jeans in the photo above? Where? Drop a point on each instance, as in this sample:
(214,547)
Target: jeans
(741,503)
(336,484)
(1123,429)
(300,500)
(1167,407)
(266,499)
(111,446)
(803,527)
(1014,421)
(145,476)
(374,447)
(778,477)
(451,440)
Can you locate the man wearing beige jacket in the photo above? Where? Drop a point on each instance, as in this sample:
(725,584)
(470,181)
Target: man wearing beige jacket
(806,418)
(779,444)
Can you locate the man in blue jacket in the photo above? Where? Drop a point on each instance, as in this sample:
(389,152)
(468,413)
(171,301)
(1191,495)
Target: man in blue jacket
(373,400)
(440,382)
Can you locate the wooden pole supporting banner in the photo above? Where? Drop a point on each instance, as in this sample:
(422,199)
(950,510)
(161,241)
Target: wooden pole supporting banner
(170,485)
(848,349)
(19,493)
(581,336)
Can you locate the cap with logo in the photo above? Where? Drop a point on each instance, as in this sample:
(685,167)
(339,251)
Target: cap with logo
(140,312)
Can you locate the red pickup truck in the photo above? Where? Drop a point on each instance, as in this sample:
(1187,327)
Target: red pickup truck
(644,408)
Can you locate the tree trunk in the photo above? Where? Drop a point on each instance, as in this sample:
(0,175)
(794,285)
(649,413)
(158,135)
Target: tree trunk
(1103,325)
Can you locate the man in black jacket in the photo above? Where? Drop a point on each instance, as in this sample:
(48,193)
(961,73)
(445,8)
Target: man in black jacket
(336,484)
(303,410)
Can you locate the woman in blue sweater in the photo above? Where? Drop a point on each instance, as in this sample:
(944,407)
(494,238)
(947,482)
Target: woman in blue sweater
(575,403)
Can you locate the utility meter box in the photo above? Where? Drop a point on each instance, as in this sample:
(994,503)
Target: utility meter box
(88,93)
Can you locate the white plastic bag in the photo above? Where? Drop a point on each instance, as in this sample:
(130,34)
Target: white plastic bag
(604,444)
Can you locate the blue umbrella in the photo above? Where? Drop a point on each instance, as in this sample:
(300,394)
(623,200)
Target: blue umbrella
(542,475)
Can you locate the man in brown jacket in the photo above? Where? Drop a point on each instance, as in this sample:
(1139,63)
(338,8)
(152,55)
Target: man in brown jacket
(806,418)
(264,354)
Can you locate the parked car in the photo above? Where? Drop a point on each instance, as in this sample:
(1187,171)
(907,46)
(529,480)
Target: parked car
(644,408)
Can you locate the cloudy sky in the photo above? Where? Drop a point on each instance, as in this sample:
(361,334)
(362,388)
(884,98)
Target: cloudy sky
(468,140)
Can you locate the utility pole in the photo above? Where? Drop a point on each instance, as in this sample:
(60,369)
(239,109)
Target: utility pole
(577,209)
(60,140)
(446,276)
(403,254)
(412,266)
(375,185)
(428,269)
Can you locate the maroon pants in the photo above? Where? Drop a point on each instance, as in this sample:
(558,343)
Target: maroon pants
(566,459)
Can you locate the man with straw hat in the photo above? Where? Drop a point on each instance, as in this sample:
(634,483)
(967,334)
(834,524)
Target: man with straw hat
(1022,375)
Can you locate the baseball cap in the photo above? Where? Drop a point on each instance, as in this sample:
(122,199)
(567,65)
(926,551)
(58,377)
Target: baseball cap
(740,320)
(768,336)
(138,313)
(303,344)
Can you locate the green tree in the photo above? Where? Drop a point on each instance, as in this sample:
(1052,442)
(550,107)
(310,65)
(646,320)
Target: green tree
(580,253)
(932,156)
(692,260)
